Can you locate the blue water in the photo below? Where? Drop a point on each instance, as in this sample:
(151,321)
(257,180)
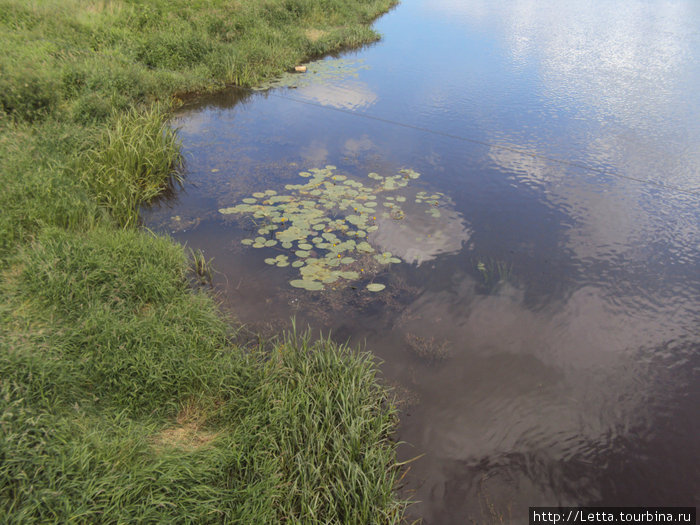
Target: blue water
(549,352)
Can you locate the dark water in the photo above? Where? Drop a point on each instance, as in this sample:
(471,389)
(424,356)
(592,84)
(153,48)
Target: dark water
(547,351)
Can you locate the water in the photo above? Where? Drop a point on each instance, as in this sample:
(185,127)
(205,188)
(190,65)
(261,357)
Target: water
(547,352)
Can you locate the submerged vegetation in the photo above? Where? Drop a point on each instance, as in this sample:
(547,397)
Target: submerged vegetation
(122,396)
(494,272)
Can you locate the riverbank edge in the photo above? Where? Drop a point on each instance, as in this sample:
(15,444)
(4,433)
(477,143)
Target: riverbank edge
(125,394)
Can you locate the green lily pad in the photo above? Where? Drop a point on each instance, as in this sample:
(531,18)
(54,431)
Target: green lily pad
(314,286)
(410,173)
(249,200)
(247,242)
(306,284)
(365,247)
(270,242)
(375,287)
(305,246)
(355,219)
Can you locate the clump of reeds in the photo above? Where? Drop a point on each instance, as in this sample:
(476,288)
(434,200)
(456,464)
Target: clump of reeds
(132,163)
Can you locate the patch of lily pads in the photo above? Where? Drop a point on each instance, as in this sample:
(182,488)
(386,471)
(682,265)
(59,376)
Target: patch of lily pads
(323,224)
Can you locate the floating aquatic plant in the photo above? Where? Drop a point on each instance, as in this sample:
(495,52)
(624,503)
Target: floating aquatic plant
(325,221)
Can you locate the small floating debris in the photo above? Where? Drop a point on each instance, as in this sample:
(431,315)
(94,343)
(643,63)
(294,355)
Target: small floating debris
(300,69)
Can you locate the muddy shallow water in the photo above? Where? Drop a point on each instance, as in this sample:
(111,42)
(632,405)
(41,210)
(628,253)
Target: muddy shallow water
(545,343)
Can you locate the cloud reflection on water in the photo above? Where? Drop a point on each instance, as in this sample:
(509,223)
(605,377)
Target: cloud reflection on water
(623,73)
(552,386)
(346,95)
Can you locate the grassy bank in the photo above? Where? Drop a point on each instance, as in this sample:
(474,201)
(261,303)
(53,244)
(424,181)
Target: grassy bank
(122,396)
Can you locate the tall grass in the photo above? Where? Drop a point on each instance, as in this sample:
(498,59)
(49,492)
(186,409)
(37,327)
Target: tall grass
(325,408)
(133,162)
(121,401)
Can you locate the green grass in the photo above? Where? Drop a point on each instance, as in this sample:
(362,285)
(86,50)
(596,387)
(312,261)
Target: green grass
(121,401)
(132,164)
(122,397)
(82,58)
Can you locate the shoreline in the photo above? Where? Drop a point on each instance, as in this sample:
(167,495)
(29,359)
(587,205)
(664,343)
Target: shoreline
(123,394)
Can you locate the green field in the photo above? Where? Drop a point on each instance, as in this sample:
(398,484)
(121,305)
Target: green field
(124,395)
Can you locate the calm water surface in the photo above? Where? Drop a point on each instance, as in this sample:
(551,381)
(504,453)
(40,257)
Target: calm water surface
(547,348)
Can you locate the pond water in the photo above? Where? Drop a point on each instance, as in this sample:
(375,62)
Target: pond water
(542,329)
